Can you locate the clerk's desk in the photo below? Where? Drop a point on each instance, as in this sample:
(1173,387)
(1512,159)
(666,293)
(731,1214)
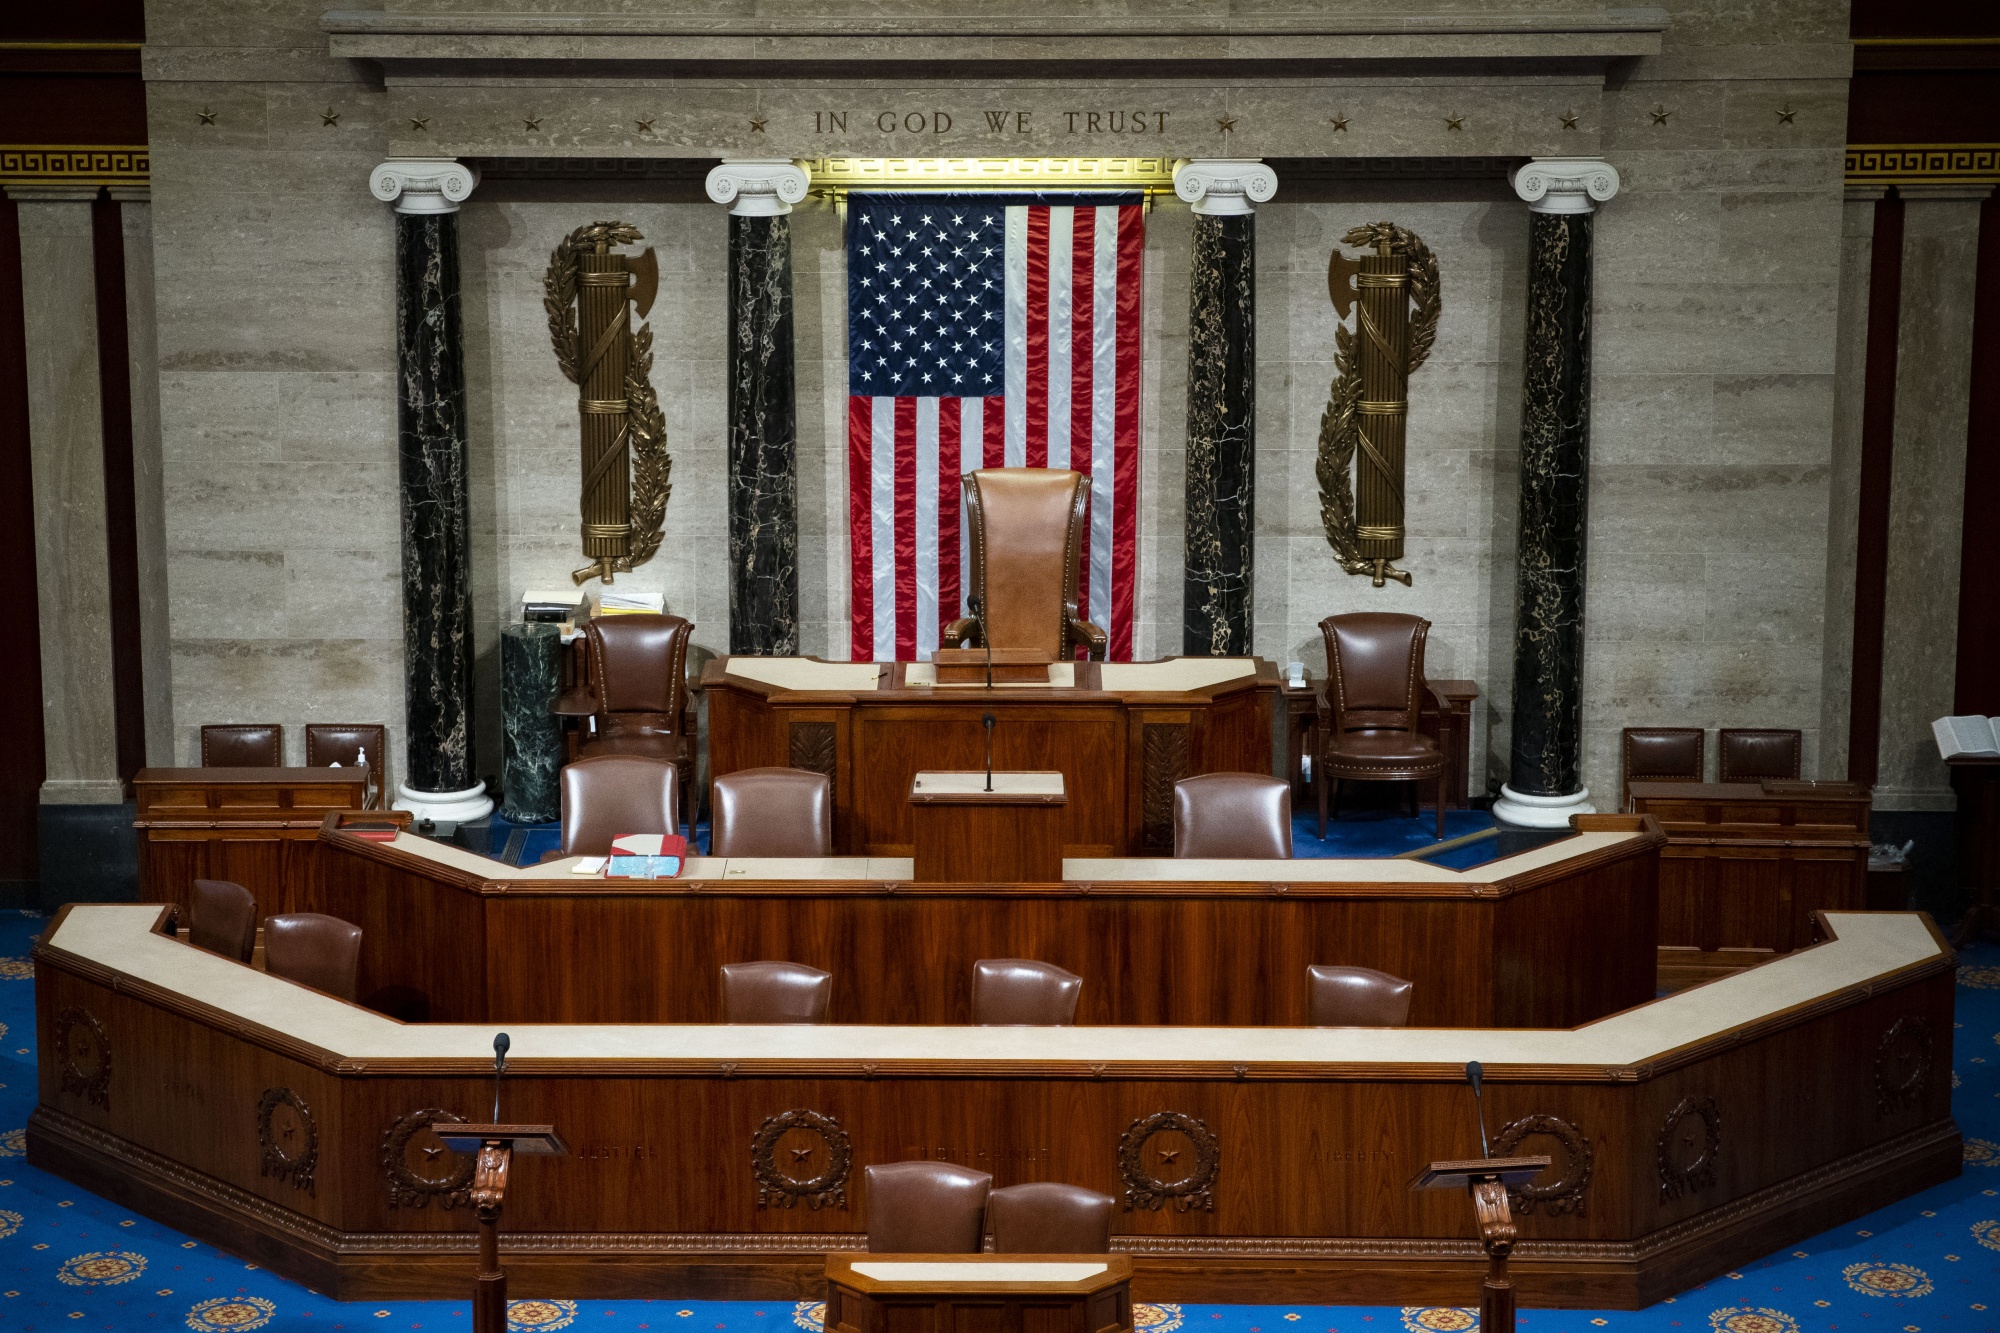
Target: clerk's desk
(1120,733)
(1691,1134)
(1552,936)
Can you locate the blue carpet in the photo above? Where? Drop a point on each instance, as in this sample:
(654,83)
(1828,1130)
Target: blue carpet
(1930,1264)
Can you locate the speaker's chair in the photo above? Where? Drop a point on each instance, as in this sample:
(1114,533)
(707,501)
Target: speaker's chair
(1026,526)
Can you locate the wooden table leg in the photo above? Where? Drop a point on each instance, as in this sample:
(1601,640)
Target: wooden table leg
(489,1290)
(1496,1232)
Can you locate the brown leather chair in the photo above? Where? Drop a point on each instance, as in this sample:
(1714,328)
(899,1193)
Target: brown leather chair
(926,1208)
(222,918)
(243,745)
(631,696)
(1751,754)
(1020,992)
(1049,1218)
(1026,529)
(1662,754)
(1356,997)
(1232,815)
(1374,692)
(323,952)
(771,812)
(611,795)
(774,993)
(345,743)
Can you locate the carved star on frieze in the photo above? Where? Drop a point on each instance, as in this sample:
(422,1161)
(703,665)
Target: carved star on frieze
(1169,1155)
(757,124)
(207,116)
(1227,124)
(800,1154)
(1569,120)
(645,126)
(420,122)
(531,123)
(1786,114)
(1454,122)
(1659,115)
(329,117)
(432,1154)
(1338,123)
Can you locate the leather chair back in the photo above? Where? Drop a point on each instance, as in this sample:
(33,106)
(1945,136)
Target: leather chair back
(1751,754)
(222,918)
(1374,670)
(344,743)
(638,665)
(774,993)
(243,745)
(926,1208)
(771,812)
(1020,992)
(323,952)
(1026,539)
(1233,815)
(615,794)
(1662,754)
(1356,997)
(1049,1218)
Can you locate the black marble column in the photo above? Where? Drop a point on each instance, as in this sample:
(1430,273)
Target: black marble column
(1221,435)
(530,674)
(1555,476)
(437,544)
(763,440)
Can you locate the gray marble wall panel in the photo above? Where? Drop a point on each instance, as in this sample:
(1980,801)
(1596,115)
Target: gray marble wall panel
(1926,510)
(143,353)
(1843,501)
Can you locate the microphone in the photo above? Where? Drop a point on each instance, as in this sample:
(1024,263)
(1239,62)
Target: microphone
(979,614)
(500,1045)
(986,721)
(1473,1075)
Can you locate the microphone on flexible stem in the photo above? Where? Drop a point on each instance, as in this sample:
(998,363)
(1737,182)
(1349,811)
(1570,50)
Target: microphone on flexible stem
(979,614)
(500,1045)
(986,721)
(1473,1074)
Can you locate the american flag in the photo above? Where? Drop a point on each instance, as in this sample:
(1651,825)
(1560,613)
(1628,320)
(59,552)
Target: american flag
(986,331)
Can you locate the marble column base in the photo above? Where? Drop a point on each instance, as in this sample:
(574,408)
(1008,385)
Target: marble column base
(1525,811)
(445,807)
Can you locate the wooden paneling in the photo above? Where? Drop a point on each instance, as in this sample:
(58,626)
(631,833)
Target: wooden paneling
(1308,1199)
(256,826)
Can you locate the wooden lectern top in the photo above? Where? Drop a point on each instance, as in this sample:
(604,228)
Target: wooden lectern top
(970,789)
(528,1140)
(1513,1172)
(1013,1274)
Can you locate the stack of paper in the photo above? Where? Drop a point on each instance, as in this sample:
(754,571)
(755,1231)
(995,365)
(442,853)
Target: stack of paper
(613,603)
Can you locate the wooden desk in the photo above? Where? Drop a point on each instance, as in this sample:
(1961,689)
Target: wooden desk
(1976,780)
(1691,1134)
(256,826)
(1121,736)
(1550,937)
(1449,724)
(978,1293)
(1746,865)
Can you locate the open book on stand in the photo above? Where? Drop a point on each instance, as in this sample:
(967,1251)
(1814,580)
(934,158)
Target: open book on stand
(1971,734)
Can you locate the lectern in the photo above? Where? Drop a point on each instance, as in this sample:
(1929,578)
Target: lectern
(1488,1179)
(494,1147)
(988,828)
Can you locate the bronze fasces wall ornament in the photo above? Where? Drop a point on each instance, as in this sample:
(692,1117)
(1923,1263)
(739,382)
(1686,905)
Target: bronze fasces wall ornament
(1169,1156)
(1362,434)
(590,294)
(801,1157)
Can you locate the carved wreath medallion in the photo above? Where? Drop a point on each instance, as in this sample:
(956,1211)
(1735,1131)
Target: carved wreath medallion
(288,1137)
(418,1166)
(1563,1191)
(83,1056)
(1902,1064)
(801,1157)
(1690,1141)
(1169,1156)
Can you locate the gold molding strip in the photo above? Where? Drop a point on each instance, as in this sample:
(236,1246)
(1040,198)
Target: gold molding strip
(833,177)
(75,164)
(1923,163)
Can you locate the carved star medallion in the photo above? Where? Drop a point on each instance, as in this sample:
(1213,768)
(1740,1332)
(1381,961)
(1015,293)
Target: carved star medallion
(800,1154)
(1785,115)
(207,116)
(531,123)
(329,117)
(645,126)
(420,122)
(1227,124)
(1454,122)
(1659,115)
(1170,1155)
(432,1154)
(1339,123)
(757,124)
(1569,120)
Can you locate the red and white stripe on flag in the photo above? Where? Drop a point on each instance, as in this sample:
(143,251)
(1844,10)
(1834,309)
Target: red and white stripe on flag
(1070,400)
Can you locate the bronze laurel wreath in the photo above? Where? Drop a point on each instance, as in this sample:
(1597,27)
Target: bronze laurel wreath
(1339,431)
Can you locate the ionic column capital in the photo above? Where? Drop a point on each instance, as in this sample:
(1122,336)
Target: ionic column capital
(1222,186)
(1566,184)
(759,187)
(423,184)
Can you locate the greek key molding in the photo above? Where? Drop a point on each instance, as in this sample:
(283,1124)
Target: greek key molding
(759,187)
(1217,187)
(75,164)
(1920,163)
(423,185)
(1566,184)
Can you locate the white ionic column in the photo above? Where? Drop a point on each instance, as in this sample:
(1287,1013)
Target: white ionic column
(1566,184)
(759,187)
(423,184)
(1219,187)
